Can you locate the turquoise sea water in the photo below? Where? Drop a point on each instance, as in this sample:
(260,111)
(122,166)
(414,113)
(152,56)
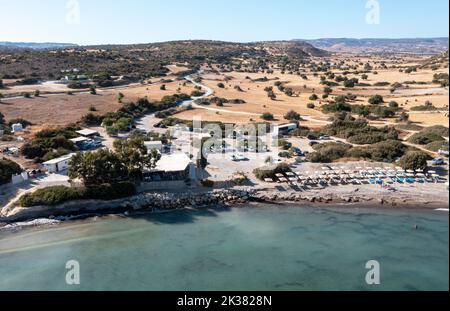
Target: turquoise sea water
(263,248)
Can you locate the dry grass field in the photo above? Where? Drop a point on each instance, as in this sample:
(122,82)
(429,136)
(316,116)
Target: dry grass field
(257,101)
(59,110)
(62,109)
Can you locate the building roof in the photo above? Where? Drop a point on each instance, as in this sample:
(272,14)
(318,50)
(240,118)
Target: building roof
(59,160)
(153,143)
(287,125)
(173,163)
(87,132)
(79,140)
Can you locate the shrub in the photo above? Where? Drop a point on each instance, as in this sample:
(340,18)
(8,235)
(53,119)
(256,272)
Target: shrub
(7,169)
(409,127)
(267,116)
(393,104)
(376,100)
(313,97)
(386,151)
(271,171)
(359,131)
(328,152)
(414,160)
(52,196)
(197,93)
(60,194)
(336,107)
(292,116)
(437,129)
(437,145)
(310,106)
(425,138)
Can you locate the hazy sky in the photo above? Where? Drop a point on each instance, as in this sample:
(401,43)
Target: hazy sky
(140,21)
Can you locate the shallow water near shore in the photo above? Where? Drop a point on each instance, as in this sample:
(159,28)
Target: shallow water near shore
(265,247)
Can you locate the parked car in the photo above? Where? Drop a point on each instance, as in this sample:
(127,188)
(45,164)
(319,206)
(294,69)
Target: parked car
(298,152)
(325,137)
(313,143)
(438,161)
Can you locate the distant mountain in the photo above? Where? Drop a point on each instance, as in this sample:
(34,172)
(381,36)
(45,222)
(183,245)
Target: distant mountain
(372,46)
(36,46)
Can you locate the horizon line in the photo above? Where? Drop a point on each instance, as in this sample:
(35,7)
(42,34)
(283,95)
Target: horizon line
(227,41)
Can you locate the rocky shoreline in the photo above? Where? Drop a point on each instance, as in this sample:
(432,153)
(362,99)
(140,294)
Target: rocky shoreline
(219,198)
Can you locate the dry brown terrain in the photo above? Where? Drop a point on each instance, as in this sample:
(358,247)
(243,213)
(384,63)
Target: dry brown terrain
(257,101)
(63,109)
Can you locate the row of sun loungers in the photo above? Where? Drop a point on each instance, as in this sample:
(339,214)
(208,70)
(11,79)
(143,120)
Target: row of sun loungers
(357,177)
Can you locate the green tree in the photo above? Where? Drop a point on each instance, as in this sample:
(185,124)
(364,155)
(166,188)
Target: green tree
(134,155)
(99,167)
(313,97)
(414,160)
(376,100)
(292,116)
(328,90)
(7,169)
(267,116)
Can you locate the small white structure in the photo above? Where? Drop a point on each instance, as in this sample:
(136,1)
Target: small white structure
(17,127)
(18,179)
(153,145)
(59,164)
(87,133)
